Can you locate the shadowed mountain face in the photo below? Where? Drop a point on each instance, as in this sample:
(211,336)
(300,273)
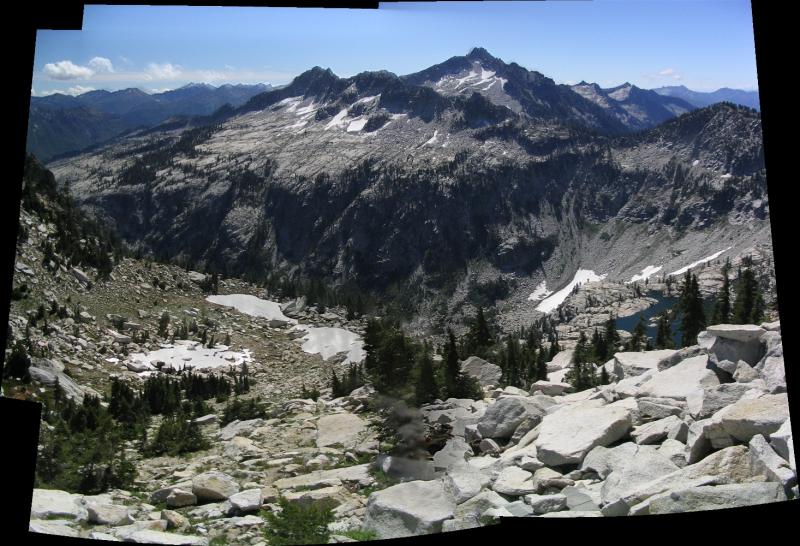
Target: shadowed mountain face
(402,188)
(60,124)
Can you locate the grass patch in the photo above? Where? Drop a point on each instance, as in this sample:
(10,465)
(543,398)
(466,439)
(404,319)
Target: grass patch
(219,540)
(360,535)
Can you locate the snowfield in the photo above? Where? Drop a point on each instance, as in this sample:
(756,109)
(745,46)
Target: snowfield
(192,353)
(253,306)
(683,270)
(540,292)
(328,342)
(646,272)
(324,341)
(582,276)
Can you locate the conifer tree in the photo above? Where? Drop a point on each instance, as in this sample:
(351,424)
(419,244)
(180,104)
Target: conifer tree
(722,303)
(541,365)
(664,333)
(612,337)
(639,338)
(479,337)
(748,307)
(427,390)
(691,305)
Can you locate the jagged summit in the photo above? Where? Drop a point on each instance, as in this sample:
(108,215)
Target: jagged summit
(480,54)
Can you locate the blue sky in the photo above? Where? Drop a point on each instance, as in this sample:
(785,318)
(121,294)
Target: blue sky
(703,44)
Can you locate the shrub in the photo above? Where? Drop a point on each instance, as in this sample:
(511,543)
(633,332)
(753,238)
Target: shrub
(298,523)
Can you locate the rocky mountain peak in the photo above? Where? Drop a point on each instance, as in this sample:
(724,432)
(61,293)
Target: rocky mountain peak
(481,54)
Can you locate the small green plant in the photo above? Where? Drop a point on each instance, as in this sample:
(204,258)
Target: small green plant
(361,535)
(298,523)
(219,540)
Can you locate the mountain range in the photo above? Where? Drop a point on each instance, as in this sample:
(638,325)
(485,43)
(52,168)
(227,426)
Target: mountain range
(700,98)
(61,123)
(473,176)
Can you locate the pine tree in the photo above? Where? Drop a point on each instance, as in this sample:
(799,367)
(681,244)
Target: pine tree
(512,367)
(612,338)
(664,333)
(452,367)
(748,307)
(639,338)
(479,337)
(541,366)
(722,303)
(427,390)
(691,305)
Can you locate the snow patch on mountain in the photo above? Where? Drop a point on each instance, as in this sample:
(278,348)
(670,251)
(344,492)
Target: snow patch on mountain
(356,125)
(646,272)
(253,306)
(190,354)
(683,270)
(540,292)
(582,276)
(432,140)
(328,342)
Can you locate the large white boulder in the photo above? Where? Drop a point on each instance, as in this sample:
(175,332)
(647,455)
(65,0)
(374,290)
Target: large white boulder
(644,465)
(454,452)
(408,509)
(504,416)
(656,431)
(345,429)
(782,443)
(214,486)
(630,364)
(744,333)
(515,482)
(705,402)
(246,501)
(464,481)
(567,435)
(748,417)
(53,503)
(766,462)
(716,497)
(681,380)
(485,372)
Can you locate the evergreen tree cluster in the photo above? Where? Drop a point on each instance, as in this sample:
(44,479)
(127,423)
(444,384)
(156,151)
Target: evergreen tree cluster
(237,409)
(690,305)
(79,240)
(403,369)
(82,447)
(350,381)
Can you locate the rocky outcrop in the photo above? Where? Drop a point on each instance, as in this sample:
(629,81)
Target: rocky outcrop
(486,373)
(407,509)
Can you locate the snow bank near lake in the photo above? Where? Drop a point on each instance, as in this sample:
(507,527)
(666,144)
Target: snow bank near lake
(191,353)
(683,270)
(253,306)
(646,272)
(582,276)
(327,342)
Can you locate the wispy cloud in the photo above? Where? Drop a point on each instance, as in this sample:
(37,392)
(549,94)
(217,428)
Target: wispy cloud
(165,71)
(665,74)
(67,70)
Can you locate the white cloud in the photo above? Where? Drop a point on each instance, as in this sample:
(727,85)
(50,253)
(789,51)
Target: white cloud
(155,91)
(665,74)
(101,64)
(166,71)
(77,90)
(67,70)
